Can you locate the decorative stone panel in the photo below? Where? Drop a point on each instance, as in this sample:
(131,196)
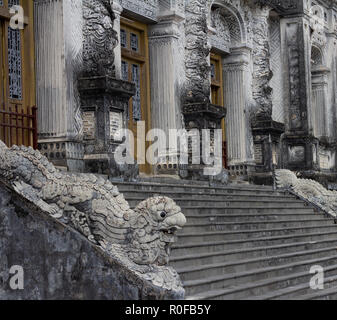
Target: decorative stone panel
(145,8)
(89,123)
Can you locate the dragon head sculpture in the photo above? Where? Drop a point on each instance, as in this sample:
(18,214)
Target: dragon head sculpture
(156,222)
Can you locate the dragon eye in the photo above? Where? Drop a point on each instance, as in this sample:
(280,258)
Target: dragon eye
(163,214)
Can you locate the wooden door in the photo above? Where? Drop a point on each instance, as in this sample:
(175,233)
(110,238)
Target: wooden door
(217,96)
(135,68)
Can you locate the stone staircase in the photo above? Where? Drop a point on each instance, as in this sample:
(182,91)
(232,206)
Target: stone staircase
(246,242)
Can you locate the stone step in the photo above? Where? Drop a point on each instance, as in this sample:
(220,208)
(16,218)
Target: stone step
(246,225)
(235,278)
(329,293)
(299,291)
(249,290)
(248,252)
(187,202)
(244,241)
(192,210)
(220,263)
(252,243)
(250,234)
(250,218)
(144,194)
(164,187)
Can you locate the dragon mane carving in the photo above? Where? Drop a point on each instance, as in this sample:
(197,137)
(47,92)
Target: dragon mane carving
(140,238)
(100,38)
(309,190)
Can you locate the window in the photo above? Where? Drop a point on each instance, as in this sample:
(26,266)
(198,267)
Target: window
(17,80)
(216,80)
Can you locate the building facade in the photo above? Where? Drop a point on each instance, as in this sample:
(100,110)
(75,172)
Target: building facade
(265,72)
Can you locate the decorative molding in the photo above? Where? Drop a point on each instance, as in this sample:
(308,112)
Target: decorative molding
(145,8)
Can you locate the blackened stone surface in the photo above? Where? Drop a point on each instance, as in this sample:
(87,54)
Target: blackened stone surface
(58,262)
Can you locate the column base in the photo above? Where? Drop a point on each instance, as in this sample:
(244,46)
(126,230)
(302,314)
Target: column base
(66,155)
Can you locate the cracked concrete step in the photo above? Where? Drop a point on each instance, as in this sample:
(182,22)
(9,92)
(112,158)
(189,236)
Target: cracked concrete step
(243,278)
(301,290)
(260,288)
(219,264)
(186,202)
(250,218)
(250,234)
(257,242)
(250,252)
(246,225)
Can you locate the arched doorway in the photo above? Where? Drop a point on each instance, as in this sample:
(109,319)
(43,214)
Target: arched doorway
(229,40)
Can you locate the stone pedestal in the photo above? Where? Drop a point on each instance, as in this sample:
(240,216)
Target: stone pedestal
(104,101)
(267,150)
(200,116)
(58,62)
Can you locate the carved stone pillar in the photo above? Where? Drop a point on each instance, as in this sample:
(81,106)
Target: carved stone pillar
(298,145)
(59,46)
(166,53)
(236,92)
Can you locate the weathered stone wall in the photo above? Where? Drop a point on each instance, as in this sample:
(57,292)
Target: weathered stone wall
(58,262)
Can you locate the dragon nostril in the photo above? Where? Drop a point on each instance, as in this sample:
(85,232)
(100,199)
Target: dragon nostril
(163,214)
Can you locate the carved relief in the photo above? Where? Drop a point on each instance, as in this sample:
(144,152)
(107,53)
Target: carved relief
(221,40)
(262,74)
(99,38)
(197,52)
(139,238)
(294,76)
(145,8)
(309,190)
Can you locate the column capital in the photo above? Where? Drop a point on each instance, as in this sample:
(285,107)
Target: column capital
(238,59)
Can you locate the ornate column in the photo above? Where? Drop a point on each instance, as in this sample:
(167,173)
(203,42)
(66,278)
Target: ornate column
(117,9)
(166,51)
(319,101)
(58,45)
(236,92)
